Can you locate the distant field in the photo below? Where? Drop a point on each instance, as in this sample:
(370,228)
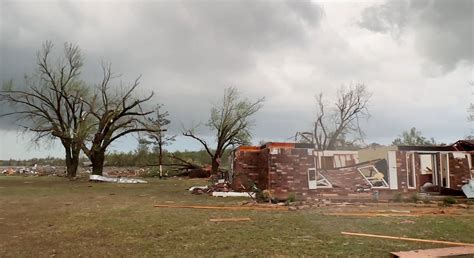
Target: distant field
(45,216)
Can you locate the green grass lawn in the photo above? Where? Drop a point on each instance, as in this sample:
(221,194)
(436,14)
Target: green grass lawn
(50,216)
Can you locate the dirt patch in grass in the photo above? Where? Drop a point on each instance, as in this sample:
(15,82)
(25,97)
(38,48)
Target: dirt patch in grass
(43,216)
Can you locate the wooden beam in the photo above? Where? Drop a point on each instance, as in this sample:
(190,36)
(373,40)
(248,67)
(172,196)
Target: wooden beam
(229,219)
(409,239)
(457,251)
(368,214)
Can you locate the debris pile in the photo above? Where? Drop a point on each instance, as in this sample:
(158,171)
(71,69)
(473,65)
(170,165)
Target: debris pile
(32,171)
(209,189)
(199,173)
(123,180)
(125,172)
(219,189)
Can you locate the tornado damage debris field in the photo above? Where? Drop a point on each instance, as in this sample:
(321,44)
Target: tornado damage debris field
(50,216)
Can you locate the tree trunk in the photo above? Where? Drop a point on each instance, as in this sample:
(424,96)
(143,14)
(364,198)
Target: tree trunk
(160,157)
(97,159)
(72,158)
(72,162)
(215,166)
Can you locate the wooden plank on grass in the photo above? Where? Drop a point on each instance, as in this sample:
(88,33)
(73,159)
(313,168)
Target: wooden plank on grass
(234,208)
(229,219)
(367,214)
(435,252)
(409,239)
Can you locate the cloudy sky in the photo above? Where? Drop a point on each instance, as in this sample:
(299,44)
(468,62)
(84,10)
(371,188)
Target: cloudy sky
(416,57)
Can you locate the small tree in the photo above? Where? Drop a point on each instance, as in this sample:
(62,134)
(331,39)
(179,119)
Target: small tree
(116,113)
(158,135)
(50,105)
(230,120)
(333,125)
(414,138)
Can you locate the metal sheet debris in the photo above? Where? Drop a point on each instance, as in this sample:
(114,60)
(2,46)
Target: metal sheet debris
(117,180)
(201,187)
(468,189)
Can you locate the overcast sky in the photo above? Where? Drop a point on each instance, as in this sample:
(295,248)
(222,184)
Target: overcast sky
(416,57)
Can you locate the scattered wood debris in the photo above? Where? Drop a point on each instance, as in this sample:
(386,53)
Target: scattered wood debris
(229,219)
(209,189)
(435,252)
(368,214)
(408,239)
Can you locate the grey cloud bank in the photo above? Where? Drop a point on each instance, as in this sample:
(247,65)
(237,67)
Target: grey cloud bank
(415,57)
(443,30)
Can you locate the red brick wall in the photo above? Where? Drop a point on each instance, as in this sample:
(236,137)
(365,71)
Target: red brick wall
(458,172)
(250,167)
(289,172)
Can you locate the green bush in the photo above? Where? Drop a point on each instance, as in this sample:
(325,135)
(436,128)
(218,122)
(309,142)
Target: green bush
(397,197)
(414,197)
(449,200)
(291,198)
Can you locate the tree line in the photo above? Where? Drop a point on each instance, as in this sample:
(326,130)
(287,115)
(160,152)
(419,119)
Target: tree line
(54,102)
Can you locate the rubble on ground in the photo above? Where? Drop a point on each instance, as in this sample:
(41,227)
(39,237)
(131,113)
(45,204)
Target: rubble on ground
(125,172)
(209,189)
(220,189)
(119,180)
(33,171)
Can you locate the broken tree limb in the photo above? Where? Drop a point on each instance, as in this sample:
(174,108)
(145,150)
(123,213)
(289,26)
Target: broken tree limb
(409,239)
(184,162)
(229,219)
(221,207)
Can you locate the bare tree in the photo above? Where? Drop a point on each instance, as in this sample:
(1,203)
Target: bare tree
(333,125)
(158,135)
(49,105)
(116,112)
(230,120)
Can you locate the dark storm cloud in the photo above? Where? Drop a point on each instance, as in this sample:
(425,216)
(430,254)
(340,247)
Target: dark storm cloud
(185,49)
(443,30)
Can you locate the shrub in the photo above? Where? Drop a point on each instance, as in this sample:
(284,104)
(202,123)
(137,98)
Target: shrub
(291,198)
(414,197)
(397,197)
(449,200)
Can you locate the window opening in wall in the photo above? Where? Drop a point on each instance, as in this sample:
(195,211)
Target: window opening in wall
(327,162)
(373,176)
(317,180)
(428,168)
(444,167)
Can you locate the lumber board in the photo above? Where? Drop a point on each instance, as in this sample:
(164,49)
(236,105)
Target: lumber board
(436,252)
(408,239)
(371,214)
(229,219)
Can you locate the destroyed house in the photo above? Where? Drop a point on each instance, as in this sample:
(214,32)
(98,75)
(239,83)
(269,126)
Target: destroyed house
(441,169)
(286,169)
